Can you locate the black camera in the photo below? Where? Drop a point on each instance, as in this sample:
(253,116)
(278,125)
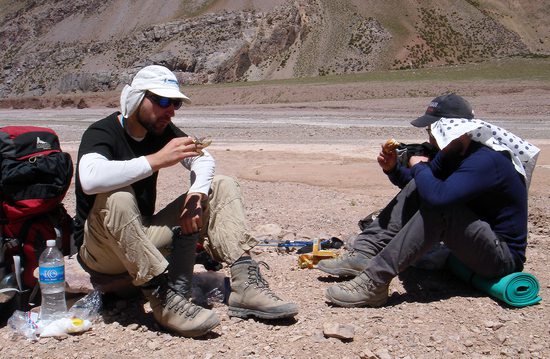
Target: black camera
(406,151)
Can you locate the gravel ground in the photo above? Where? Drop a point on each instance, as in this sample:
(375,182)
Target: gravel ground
(310,170)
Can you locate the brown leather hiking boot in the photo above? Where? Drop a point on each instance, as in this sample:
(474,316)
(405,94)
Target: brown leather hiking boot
(350,264)
(173,311)
(361,291)
(251,295)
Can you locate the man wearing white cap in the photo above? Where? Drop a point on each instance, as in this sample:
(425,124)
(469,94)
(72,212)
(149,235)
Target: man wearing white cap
(472,197)
(118,231)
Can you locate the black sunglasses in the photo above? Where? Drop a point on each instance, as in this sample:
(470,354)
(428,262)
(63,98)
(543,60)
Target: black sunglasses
(164,102)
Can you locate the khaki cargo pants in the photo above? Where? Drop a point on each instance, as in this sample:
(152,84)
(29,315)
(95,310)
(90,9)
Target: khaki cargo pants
(117,239)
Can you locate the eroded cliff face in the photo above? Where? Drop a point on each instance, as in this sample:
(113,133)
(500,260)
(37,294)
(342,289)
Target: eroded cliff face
(52,47)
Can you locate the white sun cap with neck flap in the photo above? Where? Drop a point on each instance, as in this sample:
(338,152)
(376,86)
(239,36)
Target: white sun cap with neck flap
(154,78)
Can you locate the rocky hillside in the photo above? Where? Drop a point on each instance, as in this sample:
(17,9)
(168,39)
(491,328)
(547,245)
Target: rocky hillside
(58,47)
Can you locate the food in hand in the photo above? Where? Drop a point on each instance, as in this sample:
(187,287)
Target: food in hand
(390,146)
(201,141)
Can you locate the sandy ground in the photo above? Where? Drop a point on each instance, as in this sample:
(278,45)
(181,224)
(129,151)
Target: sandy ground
(310,168)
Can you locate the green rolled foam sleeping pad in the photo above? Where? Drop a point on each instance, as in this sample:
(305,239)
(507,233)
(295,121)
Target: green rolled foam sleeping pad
(518,289)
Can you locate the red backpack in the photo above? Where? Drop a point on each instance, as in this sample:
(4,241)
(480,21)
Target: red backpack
(34,178)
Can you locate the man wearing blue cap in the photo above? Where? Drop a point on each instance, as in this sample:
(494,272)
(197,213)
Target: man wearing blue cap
(374,237)
(118,231)
(472,196)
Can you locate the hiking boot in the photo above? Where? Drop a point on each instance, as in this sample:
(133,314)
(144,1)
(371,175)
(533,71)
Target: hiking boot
(173,311)
(361,291)
(350,264)
(251,295)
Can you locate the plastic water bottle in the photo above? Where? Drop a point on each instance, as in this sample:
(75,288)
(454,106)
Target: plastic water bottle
(52,282)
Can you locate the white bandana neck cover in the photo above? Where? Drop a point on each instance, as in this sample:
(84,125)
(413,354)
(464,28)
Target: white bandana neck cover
(524,154)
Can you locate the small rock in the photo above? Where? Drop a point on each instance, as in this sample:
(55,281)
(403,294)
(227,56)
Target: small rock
(340,331)
(153,345)
(77,280)
(296,338)
(502,338)
(367,354)
(536,348)
(383,354)
(133,326)
(318,336)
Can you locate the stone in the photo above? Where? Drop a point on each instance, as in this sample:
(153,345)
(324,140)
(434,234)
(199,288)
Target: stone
(339,331)
(367,354)
(77,280)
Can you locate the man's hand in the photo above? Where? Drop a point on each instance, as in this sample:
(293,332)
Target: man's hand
(387,161)
(173,152)
(191,215)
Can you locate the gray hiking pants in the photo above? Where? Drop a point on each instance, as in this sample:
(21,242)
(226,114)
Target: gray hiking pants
(406,229)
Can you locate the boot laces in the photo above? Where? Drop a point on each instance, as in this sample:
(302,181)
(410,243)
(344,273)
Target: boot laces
(357,284)
(175,301)
(255,278)
(348,255)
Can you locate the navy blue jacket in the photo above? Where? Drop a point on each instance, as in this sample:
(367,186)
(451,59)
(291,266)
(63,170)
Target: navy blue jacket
(487,182)
(400,175)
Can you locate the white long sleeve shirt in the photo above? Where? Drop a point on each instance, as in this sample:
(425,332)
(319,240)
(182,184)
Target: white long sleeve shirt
(98,174)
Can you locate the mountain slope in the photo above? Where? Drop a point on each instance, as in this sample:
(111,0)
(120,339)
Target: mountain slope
(51,47)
